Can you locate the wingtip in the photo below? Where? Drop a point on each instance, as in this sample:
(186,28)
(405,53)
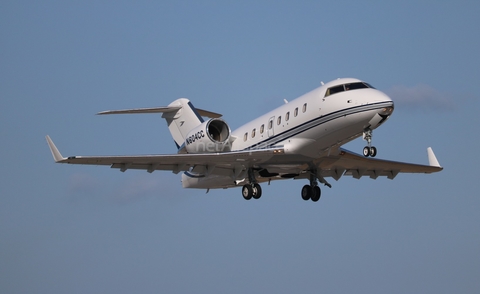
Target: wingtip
(432,159)
(55,153)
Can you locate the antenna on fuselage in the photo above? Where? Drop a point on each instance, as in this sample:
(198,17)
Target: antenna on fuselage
(321,82)
(285,100)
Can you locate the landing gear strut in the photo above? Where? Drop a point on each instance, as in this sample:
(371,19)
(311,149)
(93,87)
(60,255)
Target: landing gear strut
(369,150)
(253,189)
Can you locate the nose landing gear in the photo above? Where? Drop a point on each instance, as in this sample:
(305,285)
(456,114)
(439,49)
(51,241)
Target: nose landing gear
(369,150)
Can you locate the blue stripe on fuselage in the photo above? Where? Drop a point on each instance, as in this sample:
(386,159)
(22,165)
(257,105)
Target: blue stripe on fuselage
(190,175)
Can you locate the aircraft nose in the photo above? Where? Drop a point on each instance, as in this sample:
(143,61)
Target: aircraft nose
(387,109)
(387,103)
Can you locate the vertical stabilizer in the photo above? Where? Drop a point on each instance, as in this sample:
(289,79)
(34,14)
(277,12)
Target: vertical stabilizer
(182,121)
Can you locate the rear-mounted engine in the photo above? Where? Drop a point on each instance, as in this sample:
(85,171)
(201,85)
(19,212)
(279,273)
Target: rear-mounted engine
(212,136)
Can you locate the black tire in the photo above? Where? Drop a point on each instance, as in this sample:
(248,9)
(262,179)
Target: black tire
(373,151)
(366,151)
(306,192)
(316,193)
(247,192)
(257,191)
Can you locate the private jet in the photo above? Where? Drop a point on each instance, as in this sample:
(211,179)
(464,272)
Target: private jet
(301,139)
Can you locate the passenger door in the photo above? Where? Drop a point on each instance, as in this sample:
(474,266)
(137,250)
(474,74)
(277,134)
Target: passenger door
(270,126)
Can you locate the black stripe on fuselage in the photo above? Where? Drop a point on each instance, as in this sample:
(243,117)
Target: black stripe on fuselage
(271,141)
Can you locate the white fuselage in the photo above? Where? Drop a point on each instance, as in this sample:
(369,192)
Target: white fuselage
(309,126)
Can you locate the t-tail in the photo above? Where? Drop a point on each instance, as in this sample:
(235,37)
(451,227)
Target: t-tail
(181,117)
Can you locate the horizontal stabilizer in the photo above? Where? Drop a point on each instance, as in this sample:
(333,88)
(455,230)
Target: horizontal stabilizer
(142,110)
(207,113)
(159,110)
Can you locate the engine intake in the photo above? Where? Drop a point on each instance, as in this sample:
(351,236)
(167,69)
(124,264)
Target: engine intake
(211,136)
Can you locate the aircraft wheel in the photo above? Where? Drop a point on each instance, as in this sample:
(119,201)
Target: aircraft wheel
(257,191)
(307,192)
(366,151)
(316,193)
(247,192)
(373,151)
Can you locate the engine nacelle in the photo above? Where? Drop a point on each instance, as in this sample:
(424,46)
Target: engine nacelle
(212,136)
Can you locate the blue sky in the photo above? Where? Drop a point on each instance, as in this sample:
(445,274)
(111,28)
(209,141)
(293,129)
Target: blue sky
(86,229)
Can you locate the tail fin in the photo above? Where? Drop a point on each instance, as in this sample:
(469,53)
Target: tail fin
(180,115)
(182,121)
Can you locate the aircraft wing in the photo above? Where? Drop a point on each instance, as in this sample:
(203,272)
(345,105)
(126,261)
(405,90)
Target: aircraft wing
(336,165)
(356,165)
(173,162)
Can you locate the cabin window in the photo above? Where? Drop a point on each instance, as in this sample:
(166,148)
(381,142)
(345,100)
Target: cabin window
(304,107)
(287,116)
(253,133)
(279,120)
(270,124)
(262,128)
(295,112)
(245,137)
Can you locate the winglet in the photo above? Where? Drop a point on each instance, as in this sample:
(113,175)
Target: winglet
(432,159)
(56,154)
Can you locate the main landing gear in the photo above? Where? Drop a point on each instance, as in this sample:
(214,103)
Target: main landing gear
(369,150)
(253,189)
(309,192)
(250,191)
(312,191)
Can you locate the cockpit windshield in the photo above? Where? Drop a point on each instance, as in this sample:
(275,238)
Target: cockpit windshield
(347,87)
